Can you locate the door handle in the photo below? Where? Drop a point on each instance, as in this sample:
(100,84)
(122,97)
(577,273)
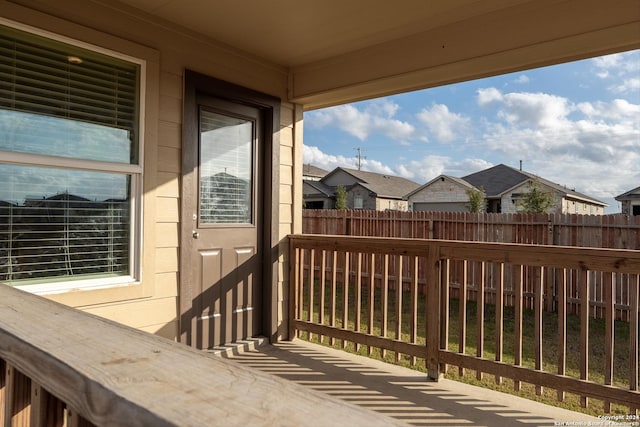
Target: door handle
(195,234)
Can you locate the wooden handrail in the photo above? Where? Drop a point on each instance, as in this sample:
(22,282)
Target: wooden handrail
(618,260)
(108,374)
(535,277)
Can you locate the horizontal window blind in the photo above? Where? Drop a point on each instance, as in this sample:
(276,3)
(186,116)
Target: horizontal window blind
(225,198)
(63,236)
(46,77)
(49,232)
(226,162)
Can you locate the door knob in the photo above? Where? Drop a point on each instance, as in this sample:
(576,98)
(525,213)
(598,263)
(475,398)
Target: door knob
(195,234)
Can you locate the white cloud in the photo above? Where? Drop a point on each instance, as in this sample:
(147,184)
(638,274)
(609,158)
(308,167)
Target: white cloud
(376,117)
(443,124)
(593,147)
(524,108)
(608,61)
(622,69)
(628,85)
(315,156)
(318,119)
(376,166)
(488,95)
(420,171)
(522,79)
(425,169)
(618,110)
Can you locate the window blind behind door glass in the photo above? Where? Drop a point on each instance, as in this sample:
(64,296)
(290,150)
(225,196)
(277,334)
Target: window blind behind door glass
(226,162)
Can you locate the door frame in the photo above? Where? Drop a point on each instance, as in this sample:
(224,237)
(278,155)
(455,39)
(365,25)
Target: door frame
(269,181)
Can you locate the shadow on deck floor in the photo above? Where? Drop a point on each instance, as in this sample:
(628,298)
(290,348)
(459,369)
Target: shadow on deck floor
(398,392)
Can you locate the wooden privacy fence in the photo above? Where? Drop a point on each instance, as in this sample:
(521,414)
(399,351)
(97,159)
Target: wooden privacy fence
(363,308)
(611,231)
(595,231)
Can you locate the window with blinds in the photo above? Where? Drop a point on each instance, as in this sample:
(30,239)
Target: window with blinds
(66,220)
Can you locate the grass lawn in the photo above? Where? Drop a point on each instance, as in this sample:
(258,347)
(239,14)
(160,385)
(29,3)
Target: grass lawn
(549,351)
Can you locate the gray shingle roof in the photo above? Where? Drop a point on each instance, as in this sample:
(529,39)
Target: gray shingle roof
(631,194)
(313,171)
(498,179)
(320,187)
(383,185)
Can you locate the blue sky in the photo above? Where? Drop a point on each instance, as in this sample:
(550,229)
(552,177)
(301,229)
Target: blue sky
(576,124)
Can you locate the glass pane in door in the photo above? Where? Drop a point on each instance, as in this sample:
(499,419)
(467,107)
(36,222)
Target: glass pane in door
(226,165)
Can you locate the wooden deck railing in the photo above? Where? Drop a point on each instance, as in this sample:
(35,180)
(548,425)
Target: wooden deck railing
(342,289)
(595,231)
(63,367)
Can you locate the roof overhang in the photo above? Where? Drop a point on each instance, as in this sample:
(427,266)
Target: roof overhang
(513,36)
(336,51)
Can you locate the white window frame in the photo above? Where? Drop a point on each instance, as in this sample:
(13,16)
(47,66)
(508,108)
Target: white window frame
(134,170)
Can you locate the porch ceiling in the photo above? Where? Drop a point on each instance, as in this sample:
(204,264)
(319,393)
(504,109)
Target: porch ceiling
(294,33)
(338,51)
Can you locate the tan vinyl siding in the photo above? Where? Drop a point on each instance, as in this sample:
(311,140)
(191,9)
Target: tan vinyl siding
(168,209)
(166,284)
(152,304)
(290,197)
(154,313)
(168,184)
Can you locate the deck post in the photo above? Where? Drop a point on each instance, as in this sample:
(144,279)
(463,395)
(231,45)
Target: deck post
(293,284)
(433,312)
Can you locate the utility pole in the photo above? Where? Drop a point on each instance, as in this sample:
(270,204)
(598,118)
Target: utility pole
(359,156)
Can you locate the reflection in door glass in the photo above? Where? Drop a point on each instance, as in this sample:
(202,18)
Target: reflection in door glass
(225,169)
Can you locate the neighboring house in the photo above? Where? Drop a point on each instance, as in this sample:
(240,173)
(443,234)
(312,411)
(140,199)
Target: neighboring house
(365,190)
(128,102)
(504,188)
(312,173)
(630,202)
(318,195)
(442,194)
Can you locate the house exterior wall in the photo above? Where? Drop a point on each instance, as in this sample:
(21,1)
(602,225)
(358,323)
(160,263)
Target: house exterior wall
(368,201)
(440,191)
(371,202)
(562,203)
(631,207)
(383,204)
(152,304)
(439,207)
(314,199)
(510,200)
(318,202)
(573,206)
(340,178)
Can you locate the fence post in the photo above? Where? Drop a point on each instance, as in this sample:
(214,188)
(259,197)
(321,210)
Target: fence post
(433,311)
